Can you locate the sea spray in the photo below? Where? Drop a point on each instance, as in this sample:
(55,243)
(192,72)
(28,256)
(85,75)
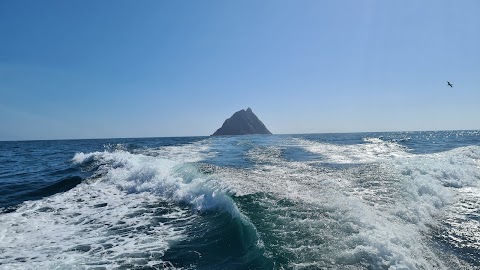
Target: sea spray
(405,200)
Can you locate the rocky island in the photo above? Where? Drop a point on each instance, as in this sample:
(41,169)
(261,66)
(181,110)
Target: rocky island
(242,122)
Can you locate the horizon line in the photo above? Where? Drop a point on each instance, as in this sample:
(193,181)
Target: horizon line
(196,136)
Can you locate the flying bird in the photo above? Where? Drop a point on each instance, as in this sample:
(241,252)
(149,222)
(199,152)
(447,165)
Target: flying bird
(449,84)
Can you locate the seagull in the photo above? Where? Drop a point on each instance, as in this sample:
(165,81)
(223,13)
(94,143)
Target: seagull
(449,84)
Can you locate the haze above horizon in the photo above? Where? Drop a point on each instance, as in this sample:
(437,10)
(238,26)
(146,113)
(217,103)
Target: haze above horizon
(111,69)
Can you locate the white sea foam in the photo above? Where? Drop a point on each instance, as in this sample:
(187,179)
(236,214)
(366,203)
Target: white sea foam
(375,214)
(192,152)
(91,225)
(373,150)
(172,180)
(108,220)
(462,223)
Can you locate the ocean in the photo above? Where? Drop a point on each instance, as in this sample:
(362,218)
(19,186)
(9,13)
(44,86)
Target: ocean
(400,200)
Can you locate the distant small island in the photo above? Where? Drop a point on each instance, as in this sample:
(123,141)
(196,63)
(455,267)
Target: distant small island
(243,122)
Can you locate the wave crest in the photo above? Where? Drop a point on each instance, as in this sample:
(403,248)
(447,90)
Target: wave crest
(172,180)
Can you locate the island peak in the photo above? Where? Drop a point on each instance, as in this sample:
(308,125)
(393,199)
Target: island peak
(242,122)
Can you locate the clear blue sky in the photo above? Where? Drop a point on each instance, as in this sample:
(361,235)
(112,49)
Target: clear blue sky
(96,69)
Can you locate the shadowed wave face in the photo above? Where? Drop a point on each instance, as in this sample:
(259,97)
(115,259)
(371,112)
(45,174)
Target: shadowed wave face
(322,201)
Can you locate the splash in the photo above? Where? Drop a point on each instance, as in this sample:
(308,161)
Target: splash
(378,212)
(373,150)
(129,213)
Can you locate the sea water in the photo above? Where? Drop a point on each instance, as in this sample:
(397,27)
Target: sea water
(404,200)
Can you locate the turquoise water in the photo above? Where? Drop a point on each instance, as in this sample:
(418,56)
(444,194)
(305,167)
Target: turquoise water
(404,200)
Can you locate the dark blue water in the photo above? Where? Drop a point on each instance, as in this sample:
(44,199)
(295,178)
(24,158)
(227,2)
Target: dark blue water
(400,200)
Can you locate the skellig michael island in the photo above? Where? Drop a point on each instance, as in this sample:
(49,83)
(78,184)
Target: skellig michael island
(242,122)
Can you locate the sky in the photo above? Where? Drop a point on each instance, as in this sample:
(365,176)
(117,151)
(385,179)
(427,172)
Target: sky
(116,69)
